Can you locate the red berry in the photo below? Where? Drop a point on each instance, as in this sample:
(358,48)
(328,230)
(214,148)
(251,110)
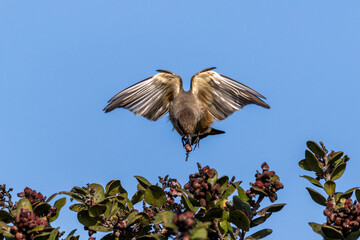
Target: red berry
(203,202)
(330,205)
(259,184)
(188,148)
(265,167)
(122,224)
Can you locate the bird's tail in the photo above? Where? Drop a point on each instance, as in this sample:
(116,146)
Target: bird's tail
(213,131)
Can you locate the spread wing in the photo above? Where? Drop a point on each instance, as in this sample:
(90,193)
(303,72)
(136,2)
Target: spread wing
(223,95)
(149,98)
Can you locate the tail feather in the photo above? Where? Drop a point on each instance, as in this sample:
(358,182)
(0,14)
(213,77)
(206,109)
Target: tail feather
(213,131)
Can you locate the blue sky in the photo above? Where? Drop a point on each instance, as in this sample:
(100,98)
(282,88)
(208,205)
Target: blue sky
(60,61)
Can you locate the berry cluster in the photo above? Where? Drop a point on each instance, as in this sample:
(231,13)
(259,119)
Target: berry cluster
(199,187)
(149,212)
(172,184)
(5,198)
(184,221)
(346,218)
(25,221)
(32,195)
(267,182)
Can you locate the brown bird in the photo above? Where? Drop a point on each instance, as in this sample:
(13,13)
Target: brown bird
(211,97)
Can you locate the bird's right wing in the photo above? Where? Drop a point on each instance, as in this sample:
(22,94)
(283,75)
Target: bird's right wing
(223,95)
(149,98)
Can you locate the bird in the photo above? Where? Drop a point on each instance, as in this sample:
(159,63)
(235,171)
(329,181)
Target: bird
(212,97)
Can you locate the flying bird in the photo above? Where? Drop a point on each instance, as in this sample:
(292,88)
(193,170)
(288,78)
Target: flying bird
(212,96)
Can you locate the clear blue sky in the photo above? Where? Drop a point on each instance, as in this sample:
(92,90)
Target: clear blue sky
(60,61)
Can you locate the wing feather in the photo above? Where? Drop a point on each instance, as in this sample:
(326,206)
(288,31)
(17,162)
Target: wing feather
(149,98)
(223,95)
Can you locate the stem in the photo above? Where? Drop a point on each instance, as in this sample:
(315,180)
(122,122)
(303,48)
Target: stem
(215,222)
(327,174)
(242,237)
(237,231)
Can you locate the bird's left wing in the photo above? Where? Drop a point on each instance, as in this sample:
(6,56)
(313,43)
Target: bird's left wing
(222,95)
(149,98)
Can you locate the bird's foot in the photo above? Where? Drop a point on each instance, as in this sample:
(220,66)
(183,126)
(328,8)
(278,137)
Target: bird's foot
(196,142)
(184,140)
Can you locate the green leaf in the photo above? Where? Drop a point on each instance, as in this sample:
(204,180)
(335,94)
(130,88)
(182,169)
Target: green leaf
(37,228)
(129,205)
(143,181)
(71,234)
(42,209)
(241,205)
(242,194)
(259,191)
(214,213)
(96,210)
(53,234)
(24,203)
(316,228)
(109,236)
(304,165)
(337,196)
(199,234)
(79,191)
(317,197)
(165,216)
(357,194)
(75,196)
(99,228)
(336,156)
(348,193)
(132,218)
(223,181)
(271,208)
(6,217)
(329,188)
(353,235)
(41,236)
(312,162)
(187,203)
(51,197)
(315,148)
(331,232)
(312,180)
(145,220)
(85,219)
(155,196)
(213,180)
(138,197)
(338,172)
(77,207)
(58,205)
(240,219)
(223,225)
(229,190)
(112,188)
(259,220)
(99,193)
(260,234)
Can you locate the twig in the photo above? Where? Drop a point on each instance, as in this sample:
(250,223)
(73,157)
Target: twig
(327,174)
(242,237)
(215,222)
(237,231)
